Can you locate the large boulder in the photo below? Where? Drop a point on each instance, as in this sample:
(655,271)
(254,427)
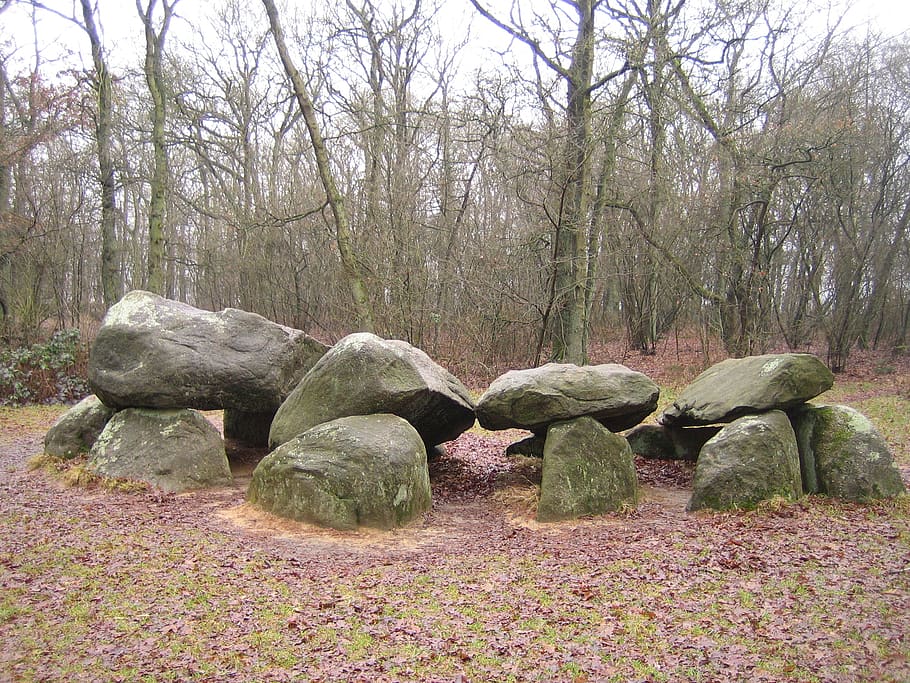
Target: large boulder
(843,455)
(76,430)
(752,459)
(744,386)
(535,398)
(366,470)
(362,375)
(587,470)
(157,353)
(174,450)
(670,443)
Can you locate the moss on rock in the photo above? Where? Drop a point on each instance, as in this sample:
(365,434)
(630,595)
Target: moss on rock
(750,460)
(368,470)
(587,470)
(851,460)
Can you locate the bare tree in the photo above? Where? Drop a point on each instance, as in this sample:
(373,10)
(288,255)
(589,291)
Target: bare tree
(574,65)
(103,87)
(155,36)
(334,197)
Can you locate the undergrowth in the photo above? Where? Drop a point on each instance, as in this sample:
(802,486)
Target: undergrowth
(52,371)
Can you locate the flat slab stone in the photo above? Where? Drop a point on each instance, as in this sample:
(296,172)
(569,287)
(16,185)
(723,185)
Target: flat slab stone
(743,386)
(364,375)
(153,352)
(533,399)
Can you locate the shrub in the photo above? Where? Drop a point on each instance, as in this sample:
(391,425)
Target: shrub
(46,372)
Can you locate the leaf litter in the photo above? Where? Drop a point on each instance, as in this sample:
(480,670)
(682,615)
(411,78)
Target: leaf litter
(146,586)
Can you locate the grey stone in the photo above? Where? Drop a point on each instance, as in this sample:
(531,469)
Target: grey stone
(669,443)
(76,430)
(743,386)
(354,471)
(362,375)
(535,398)
(174,450)
(751,460)
(157,353)
(531,446)
(803,419)
(843,455)
(587,470)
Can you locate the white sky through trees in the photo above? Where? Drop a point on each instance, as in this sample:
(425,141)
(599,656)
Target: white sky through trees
(65,46)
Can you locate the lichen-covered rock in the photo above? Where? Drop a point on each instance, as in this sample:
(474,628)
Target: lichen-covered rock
(76,430)
(670,443)
(157,353)
(174,450)
(363,375)
(587,470)
(368,470)
(535,398)
(750,460)
(843,455)
(744,386)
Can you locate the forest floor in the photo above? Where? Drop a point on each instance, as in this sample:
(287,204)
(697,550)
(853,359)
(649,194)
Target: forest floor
(135,585)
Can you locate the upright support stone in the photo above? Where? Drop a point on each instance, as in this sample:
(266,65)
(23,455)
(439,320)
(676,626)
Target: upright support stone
(670,443)
(587,470)
(78,428)
(174,450)
(365,470)
(751,460)
(844,455)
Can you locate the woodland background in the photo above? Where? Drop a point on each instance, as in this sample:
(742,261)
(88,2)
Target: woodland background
(668,178)
(735,171)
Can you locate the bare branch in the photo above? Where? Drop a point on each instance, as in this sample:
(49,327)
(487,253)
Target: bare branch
(523,37)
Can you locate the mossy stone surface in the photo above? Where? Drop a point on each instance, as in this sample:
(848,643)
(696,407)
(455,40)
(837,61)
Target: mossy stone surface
(78,428)
(848,457)
(535,398)
(174,450)
(531,446)
(746,386)
(753,459)
(587,470)
(152,352)
(364,375)
(368,470)
(670,443)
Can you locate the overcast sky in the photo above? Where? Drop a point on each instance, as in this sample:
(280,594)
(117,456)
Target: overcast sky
(123,36)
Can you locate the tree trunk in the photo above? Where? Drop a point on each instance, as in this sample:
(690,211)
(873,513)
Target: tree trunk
(343,237)
(103,85)
(154,55)
(569,341)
